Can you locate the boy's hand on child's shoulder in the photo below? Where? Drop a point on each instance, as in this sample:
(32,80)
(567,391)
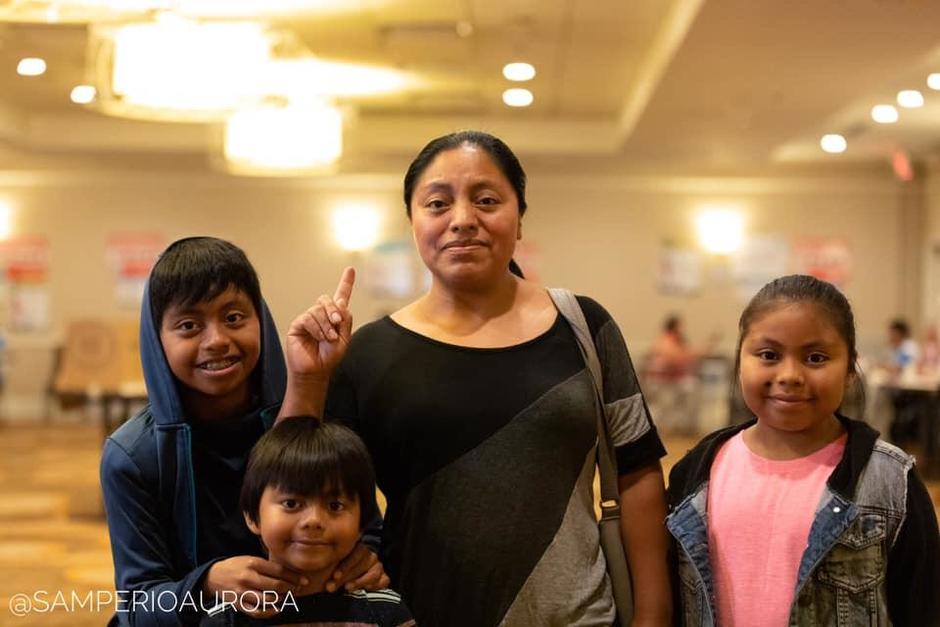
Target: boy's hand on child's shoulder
(255,575)
(317,339)
(360,570)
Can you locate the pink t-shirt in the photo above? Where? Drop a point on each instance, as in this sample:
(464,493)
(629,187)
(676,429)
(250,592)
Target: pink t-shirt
(759,516)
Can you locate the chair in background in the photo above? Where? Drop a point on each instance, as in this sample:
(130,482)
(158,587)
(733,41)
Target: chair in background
(100,364)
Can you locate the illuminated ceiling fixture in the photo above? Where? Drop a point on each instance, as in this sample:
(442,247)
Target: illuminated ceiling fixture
(31,66)
(177,69)
(910,99)
(288,140)
(933,81)
(518,97)
(884,114)
(720,230)
(96,11)
(833,143)
(83,94)
(519,71)
(306,78)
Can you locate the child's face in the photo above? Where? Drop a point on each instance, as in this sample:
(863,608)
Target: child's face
(304,533)
(794,366)
(212,347)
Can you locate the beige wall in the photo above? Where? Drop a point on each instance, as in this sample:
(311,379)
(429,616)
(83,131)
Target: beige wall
(931,282)
(598,235)
(607,237)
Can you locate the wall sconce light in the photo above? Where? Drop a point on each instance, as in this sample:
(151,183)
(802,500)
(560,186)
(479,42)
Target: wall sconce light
(356,226)
(6,220)
(720,230)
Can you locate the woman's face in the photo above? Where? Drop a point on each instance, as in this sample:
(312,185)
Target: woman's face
(465,218)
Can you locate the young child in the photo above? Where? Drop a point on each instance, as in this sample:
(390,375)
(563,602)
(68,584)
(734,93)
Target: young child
(802,516)
(171,475)
(308,492)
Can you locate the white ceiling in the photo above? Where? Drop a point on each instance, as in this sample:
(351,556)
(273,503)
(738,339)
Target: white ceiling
(652,84)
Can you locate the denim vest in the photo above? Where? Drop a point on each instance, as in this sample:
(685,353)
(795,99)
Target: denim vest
(841,578)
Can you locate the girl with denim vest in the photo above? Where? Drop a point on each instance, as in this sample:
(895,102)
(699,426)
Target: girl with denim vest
(801,516)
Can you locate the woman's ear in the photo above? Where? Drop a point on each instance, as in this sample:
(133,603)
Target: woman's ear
(519,231)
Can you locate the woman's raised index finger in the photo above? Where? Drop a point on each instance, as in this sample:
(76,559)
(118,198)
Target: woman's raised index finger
(345,287)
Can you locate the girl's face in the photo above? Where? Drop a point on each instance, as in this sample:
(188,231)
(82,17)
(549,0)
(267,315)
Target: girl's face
(465,218)
(794,368)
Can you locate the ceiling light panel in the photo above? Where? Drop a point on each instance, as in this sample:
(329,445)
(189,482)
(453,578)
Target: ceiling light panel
(884,114)
(189,66)
(833,143)
(910,99)
(31,66)
(518,97)
(519,71)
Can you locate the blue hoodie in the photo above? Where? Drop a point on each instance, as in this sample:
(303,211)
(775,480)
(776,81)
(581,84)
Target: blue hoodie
(150,489)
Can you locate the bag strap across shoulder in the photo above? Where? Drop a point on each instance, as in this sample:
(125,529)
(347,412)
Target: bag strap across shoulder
(568,306)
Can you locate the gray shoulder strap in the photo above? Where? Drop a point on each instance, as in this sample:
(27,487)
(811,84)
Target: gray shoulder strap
(568,306)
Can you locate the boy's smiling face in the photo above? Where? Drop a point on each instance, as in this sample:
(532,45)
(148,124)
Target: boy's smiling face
(308,534)
(212,348)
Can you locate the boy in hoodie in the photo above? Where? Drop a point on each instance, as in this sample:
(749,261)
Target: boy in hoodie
(171,475)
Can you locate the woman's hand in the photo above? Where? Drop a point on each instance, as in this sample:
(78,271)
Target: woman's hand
(316,342)
(646,543)
(360,570)
(317,338)
(254,582)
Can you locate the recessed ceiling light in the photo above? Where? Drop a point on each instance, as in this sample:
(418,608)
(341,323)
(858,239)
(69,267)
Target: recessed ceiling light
(83,94)
(884,114)
(833,143)
(31,66)
(519,71)
(910,99)
(518,97)
(933,81)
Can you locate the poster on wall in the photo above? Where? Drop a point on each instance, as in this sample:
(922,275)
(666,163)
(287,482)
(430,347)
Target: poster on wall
(131,256)
(25,263)
(679,272)
(759,260)
(826,258)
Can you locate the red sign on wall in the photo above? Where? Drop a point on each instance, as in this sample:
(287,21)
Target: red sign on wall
(25,258)
(826,258)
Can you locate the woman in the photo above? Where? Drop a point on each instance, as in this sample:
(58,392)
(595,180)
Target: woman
(478,411)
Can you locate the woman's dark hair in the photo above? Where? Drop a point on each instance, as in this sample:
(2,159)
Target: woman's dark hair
(197,269)
(802,288)
(304,456)
(505,159)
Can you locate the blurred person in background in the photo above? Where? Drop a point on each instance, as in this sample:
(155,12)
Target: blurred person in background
(904,351)
(671,358)
(929,362)
(671,378)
